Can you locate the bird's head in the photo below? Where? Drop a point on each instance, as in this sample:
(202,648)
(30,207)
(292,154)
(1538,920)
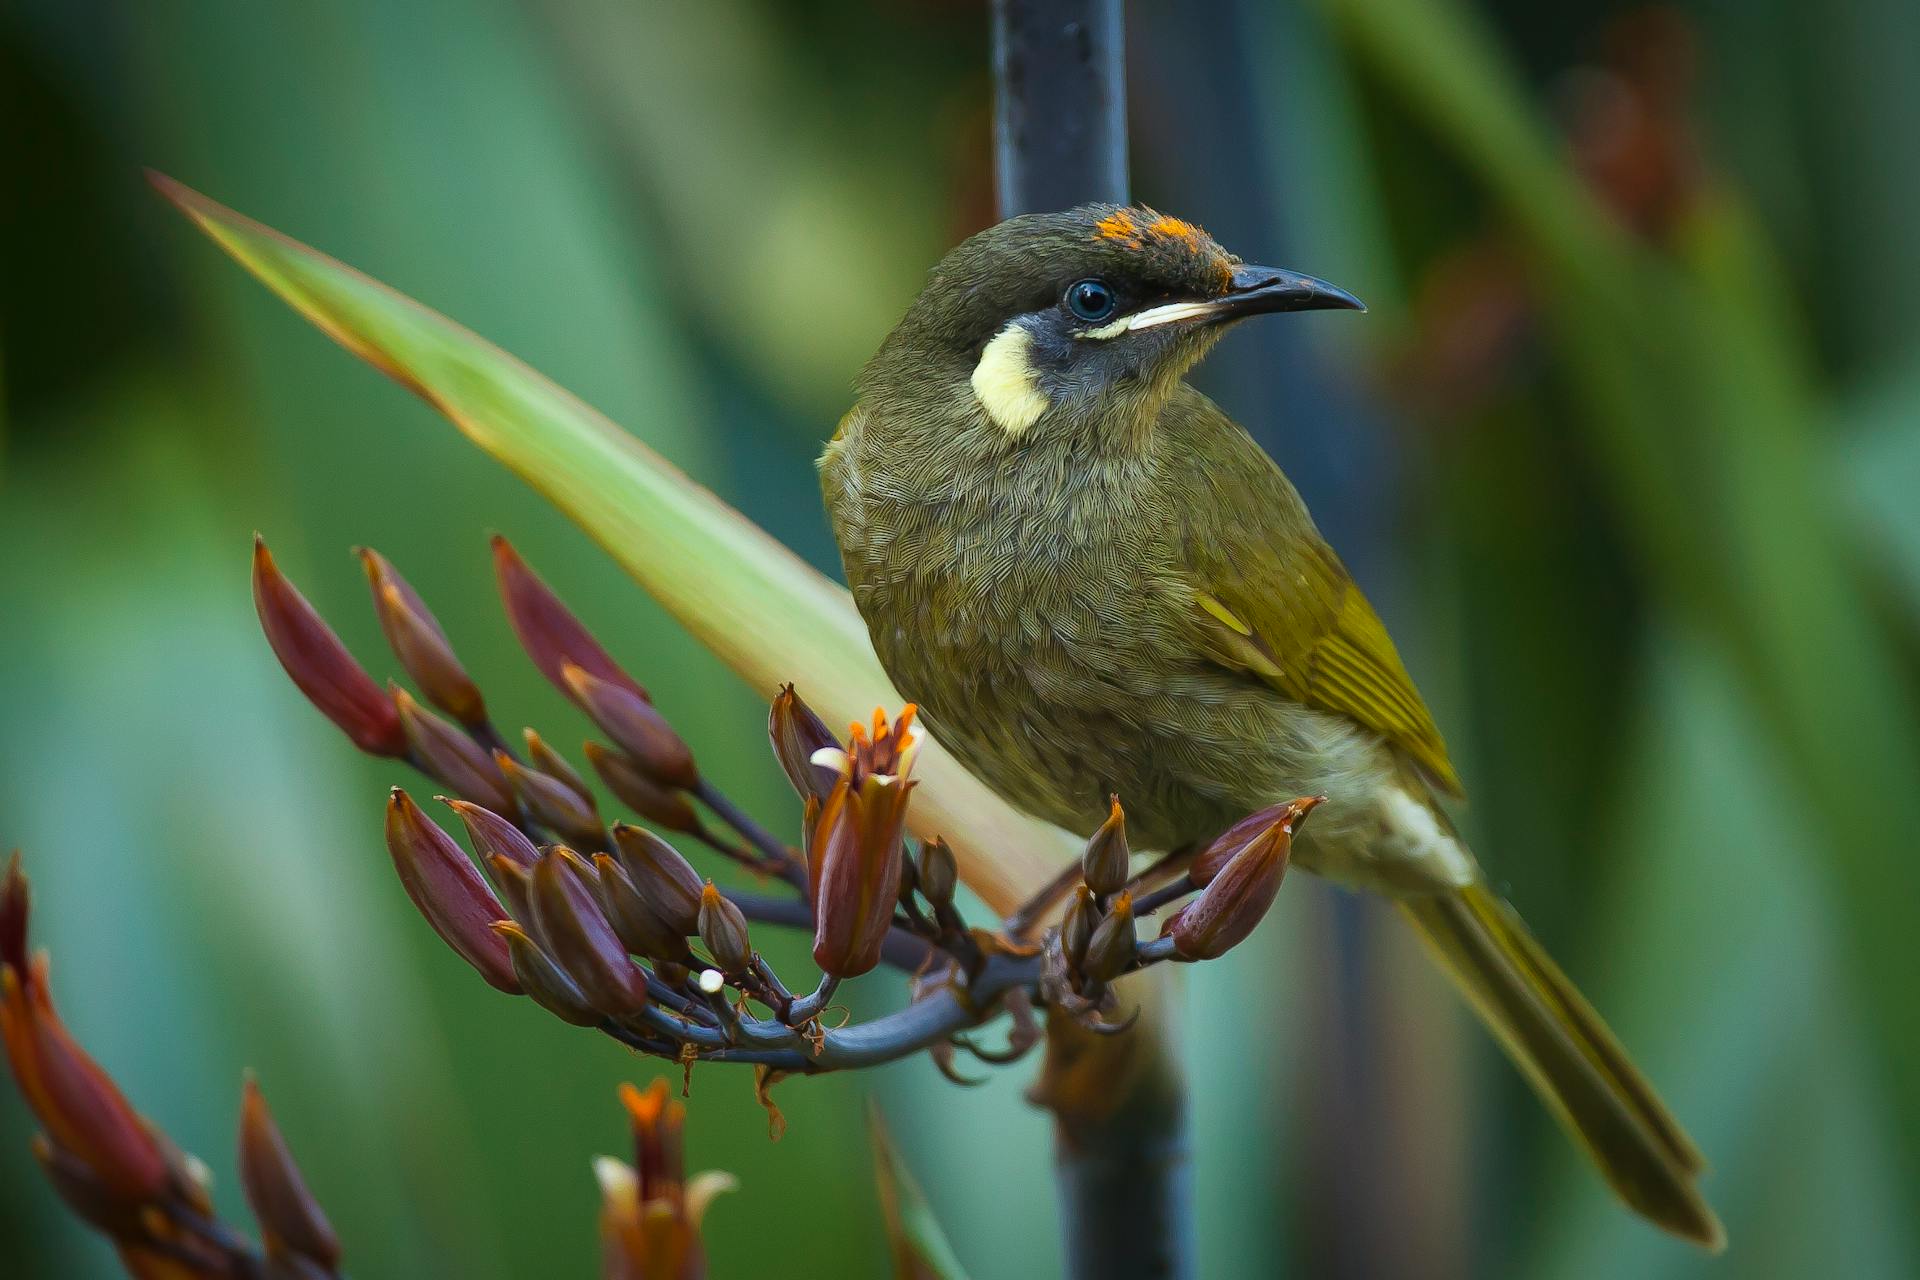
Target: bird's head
(1078,317)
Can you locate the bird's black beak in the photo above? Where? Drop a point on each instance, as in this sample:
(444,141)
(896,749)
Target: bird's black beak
(1251,291)
(1258,290)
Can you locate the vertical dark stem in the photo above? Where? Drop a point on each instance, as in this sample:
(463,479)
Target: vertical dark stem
(1059,104)
(1121,1149)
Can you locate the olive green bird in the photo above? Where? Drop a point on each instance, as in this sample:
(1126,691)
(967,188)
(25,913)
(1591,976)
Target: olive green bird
(1094,582)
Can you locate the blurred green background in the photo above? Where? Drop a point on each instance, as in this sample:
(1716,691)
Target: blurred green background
(1628,451)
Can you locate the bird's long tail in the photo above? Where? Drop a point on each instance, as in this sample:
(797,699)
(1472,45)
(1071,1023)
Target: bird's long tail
(1569,1055)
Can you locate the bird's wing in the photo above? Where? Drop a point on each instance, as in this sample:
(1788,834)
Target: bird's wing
(1324,647)
(1271,598)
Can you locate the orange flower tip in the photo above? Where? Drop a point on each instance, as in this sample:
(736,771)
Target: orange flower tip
(645,1106)
(509,929)
(711,893)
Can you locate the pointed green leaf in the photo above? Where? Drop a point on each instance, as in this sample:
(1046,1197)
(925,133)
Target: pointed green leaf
(916,1245)
(755,604)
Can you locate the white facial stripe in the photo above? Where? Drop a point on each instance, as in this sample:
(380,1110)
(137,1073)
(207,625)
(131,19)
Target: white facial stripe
(1005,384)
(1166,313)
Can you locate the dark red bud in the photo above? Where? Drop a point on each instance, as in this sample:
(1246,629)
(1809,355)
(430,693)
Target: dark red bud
(796,733)
(633,918)
(92,1200)
(551,803)
(1235,838)
(319,664)
(665,879)
(291,1220)
(445,753)
(659,805)
(855,864)
(1077,926)
(548,631)
(515,884)
(635,727)
(724,929)
(419,642)
(1107,861)
(939,873)
(82,1110)
(493,834)
(550,762)
(546,982)
(573,929)
(448,890)
(809,825)
(1110,949)
(15,903)
(1239,895)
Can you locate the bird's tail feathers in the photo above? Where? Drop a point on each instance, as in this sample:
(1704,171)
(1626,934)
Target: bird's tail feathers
(1569,1056)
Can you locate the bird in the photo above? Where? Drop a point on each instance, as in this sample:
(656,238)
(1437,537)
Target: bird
(1094,583)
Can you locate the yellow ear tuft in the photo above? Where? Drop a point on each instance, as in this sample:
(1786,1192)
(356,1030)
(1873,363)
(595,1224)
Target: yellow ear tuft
(1005,384)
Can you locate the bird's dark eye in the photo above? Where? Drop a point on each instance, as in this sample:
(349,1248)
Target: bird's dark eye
(1091,300)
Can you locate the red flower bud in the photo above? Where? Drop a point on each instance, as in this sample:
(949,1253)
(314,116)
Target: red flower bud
(1238,896)
(574,930)
(83,1111)
(544,981)
(1231,841)
(635,727)
(493,834)
(549,633)
(515,884)
(658,804)
(91,1200)
(419,642)
(445,753)
(554,765)
(797,734)
(1107,860)
(448,890)
(939,873)
(639,928)
(320,665)
(666,880)
(1110,949)
(291,1220)
(14,903)
(1077,926)
(855,854)
(551,803)
(724,929)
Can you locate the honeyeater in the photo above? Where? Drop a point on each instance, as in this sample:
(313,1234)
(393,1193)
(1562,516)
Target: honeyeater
(1093,582)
